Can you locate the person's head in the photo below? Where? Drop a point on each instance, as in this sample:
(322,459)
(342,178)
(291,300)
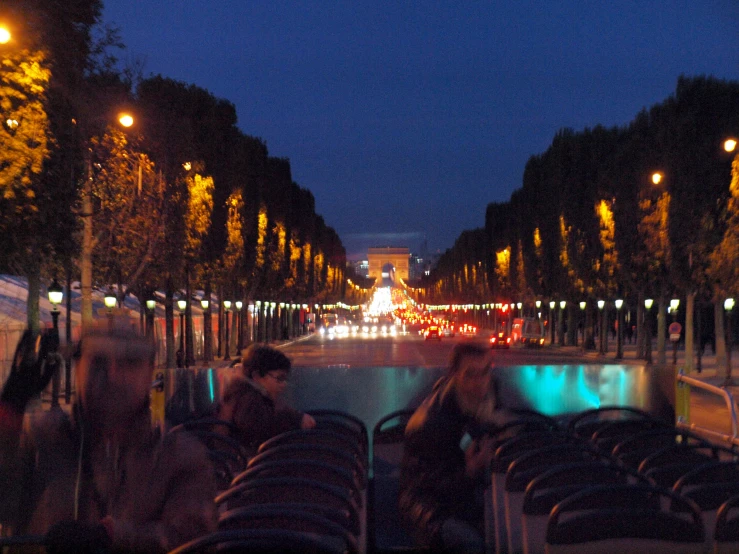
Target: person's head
(268,367)
(470,367)
(114,374)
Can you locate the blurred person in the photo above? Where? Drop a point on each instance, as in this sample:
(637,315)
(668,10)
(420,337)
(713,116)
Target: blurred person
(446,455)
(101,479)
(253,402)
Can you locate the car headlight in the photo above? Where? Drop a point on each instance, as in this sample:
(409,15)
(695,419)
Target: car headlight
(322,330)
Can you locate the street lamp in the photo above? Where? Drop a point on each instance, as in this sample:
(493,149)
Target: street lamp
(601,328)
(150,306)
(125,119)
(561,322)
(620,340)
(56,295)
(728,306)
(5,35)
(205,303)
(110,301)
(239,322)
(730,144)
(552,304)
(181,358)
(227,306)
(647,331)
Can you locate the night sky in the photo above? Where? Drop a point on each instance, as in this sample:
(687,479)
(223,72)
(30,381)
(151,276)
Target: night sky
(406,118)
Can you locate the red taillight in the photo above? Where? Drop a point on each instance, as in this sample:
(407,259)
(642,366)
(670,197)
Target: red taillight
(492,339)
(508,340)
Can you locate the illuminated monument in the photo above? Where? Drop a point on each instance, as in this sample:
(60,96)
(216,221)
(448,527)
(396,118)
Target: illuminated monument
(386,258)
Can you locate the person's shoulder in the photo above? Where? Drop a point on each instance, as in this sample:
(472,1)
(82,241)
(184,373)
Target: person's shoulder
(238,386)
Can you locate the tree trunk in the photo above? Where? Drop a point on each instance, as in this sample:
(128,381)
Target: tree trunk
(221,337)
(689,331)
(32,305)
(169,323)
(207,328)
(571,327)
(189,335)
(589,328)
(661,329)
(719,333)
(640,327)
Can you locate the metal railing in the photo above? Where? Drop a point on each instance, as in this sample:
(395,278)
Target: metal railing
(732,439)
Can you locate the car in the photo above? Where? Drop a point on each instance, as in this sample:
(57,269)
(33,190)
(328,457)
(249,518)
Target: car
(432,332)
(500,340)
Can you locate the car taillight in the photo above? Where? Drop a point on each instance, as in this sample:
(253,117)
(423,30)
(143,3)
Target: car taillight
(492,339)
(508,340)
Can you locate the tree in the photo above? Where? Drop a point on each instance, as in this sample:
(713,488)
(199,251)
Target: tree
(25,142)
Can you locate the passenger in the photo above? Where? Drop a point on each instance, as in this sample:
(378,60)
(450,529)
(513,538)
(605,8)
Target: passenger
(99,479)
(446,455)
(252,403)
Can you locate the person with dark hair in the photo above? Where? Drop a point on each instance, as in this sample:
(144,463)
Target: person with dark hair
(446,454)
(102,478)
(252,403)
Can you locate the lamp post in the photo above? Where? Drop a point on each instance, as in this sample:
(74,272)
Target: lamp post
(728,306)
(205,304)
(674,303)
(561,322)
(601,328)
(620,331)
(583,305)
(181,357)
(110,301)
(551,320)
(647,331)
(239,322)
(227,307)
(151,305)
(5,35)
(56,295)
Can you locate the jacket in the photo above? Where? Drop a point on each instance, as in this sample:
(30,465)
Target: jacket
(155,494)
(433,481)
(255,415)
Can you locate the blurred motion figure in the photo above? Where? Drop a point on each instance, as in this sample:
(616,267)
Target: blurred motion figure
(100,479)
(446,454)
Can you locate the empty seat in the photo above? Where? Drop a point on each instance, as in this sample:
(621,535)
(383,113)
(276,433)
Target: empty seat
(525,468)
(342,422)
(709,486)
(290,518)
(309,469)
(321,453)
(326,437)
(726,534)
(504,455)
(611,433)
(263,541)
(586,423)
(678,453)
(624,518)
(554,485)
(388,443)
(632,450)
(293,490)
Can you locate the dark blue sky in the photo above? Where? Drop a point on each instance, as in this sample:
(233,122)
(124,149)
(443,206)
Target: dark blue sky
(406,118)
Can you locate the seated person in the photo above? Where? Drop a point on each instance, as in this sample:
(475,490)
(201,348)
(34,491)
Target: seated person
(101,478)
(252,403)
(446,454)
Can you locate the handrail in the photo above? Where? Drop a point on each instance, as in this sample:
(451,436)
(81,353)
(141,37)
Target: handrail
(728,398)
